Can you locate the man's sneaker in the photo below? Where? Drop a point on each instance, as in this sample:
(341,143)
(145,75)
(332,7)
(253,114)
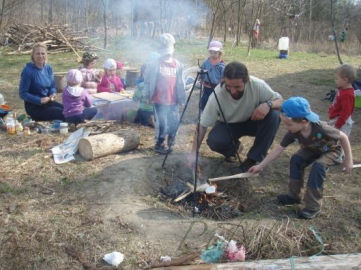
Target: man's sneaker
(285,199)
(248,163)
(308,214)
(161,149)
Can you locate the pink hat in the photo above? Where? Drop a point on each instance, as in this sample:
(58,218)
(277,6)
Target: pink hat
(74,76)
(215,46)
(120,65)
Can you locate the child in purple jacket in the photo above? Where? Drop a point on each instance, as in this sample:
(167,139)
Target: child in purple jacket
(76,100)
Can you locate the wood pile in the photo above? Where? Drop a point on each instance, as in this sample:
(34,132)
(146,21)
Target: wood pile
(57,38)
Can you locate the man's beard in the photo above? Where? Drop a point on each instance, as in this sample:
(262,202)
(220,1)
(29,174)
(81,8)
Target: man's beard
(239,95)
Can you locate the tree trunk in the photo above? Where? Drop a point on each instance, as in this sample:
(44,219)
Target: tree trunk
(310,22)
(42,11)
(108,143)
(105,22)
(2,13)
(238,23)
(50,18)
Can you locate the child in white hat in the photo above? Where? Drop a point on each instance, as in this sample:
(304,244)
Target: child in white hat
(77,101)
(110,81)
(164,87)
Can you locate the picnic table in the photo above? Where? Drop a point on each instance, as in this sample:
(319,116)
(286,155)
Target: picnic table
(115,106)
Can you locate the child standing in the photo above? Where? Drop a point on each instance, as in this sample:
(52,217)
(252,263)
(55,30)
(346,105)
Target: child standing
(145,112)
(76,100)
(90,75)
(110,81)
(342,108)
(215,67)
(164,87)
(320,147)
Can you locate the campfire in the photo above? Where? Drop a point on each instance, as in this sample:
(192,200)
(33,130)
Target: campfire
(218,202)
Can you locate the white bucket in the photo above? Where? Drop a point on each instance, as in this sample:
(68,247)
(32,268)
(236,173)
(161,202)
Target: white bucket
(283,44)
(2,100)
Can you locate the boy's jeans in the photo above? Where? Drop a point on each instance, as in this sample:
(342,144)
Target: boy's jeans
(167,117)
(299,161)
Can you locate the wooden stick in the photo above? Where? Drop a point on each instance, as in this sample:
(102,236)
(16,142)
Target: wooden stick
(68,43)
(182,196)
(235,176)
(357,166)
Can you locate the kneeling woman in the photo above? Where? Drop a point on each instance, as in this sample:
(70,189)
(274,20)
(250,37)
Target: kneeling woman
(37,88)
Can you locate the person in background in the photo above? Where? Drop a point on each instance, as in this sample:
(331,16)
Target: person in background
(145,114)
(120,66)
(343,105)
(164,87)
(110,81)
(37,88)
(215,67)
(320,146)
(91,77)
(76,100)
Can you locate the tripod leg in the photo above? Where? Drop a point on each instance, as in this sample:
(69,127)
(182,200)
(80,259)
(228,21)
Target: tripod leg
(195,172)
(180,119)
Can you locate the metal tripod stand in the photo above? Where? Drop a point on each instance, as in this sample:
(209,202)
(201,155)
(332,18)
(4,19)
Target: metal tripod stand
(195,170)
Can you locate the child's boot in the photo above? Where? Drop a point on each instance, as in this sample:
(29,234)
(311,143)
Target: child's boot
(312,199)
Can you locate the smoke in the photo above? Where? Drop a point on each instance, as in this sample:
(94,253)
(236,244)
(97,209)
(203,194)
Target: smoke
(141,22)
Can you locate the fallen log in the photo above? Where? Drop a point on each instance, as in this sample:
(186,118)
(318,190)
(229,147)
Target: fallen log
(108,143)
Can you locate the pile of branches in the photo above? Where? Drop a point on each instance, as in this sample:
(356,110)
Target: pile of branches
(57,38)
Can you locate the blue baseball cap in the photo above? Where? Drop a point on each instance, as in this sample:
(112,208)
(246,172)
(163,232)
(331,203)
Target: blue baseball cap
(298,107)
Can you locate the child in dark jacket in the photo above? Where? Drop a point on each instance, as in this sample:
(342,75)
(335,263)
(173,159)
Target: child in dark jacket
(145,112)
(76,100)
(320,148)
(215,67)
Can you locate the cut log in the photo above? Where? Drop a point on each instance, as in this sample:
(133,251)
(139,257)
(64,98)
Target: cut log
(108,143)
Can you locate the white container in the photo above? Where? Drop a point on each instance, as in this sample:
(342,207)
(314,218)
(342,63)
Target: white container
(283,44)
(2,100)
(63,128)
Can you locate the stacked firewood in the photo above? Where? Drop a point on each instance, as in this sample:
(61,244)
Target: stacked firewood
(57,38)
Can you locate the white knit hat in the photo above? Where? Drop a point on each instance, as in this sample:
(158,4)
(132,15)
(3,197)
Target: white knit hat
(167,42)
(110,64)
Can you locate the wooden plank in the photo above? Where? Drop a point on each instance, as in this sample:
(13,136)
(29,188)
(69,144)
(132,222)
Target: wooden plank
(332,262)
(235,176)
(109,96)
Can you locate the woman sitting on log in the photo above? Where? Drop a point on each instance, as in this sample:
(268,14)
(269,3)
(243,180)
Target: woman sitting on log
(91,77)
(37,88)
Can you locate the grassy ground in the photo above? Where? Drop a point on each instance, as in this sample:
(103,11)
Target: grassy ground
(111,203)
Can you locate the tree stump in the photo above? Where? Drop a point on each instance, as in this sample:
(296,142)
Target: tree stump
(108,143)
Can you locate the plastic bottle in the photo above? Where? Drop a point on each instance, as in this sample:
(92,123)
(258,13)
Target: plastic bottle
(10,124)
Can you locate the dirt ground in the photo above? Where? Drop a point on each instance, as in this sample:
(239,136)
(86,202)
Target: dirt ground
(113,203)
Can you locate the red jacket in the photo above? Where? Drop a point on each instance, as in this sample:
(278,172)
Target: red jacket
(342,107)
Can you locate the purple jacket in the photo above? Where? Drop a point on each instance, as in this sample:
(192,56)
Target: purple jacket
(74,100)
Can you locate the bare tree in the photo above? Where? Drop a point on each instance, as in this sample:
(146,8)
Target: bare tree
(105,7)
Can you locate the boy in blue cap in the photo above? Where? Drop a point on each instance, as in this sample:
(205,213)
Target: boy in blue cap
(321,146)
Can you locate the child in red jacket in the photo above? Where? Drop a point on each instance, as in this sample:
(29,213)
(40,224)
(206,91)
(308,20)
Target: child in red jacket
(342,108)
